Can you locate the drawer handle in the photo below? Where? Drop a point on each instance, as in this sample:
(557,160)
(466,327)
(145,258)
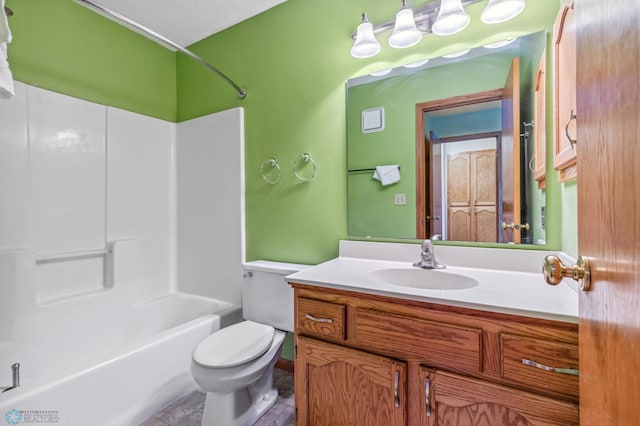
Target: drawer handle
(396,398)
(566,129)
(312,318)
(427,400)
(571,371)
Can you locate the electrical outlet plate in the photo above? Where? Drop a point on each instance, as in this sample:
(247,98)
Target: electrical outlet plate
(400,199)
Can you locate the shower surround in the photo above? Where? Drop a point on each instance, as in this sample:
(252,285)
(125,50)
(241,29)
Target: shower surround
(105,219)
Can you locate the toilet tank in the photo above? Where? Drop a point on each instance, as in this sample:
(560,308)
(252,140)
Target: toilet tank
(266,297)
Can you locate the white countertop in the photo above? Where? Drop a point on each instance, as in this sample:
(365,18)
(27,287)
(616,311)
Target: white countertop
(517,289)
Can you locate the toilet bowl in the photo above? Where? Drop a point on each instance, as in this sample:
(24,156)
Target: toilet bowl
(235,365)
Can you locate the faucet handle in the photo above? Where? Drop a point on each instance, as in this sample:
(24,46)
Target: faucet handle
(436,237)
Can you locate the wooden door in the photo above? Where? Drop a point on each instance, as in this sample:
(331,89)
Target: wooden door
(484,227)
(510,162)
(459,197)
(608,89)
(336,385)
(471,196)
(463,401)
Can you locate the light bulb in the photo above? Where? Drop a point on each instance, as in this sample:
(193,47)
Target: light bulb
(405,33)
(451,19)
(498,11)
(365,45)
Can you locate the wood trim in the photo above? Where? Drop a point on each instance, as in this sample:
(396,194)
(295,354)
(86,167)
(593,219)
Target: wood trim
(285,364)
(422,169)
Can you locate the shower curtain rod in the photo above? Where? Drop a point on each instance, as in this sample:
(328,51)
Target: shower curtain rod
(242,92)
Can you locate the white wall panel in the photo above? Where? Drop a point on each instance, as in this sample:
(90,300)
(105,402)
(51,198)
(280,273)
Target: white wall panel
(14,171)
(141,193)
(210,185)
(67,148)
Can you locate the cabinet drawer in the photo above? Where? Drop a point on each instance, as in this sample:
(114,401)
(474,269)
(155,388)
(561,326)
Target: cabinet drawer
(320,318)
(432,343)
(543,353)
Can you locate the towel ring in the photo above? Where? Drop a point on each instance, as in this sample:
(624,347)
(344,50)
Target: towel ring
(273,165)
(305,158)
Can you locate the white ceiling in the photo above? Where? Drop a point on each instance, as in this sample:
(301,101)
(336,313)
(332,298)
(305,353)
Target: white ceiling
(187,21)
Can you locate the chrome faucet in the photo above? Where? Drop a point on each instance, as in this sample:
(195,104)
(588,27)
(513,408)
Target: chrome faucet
(427,256)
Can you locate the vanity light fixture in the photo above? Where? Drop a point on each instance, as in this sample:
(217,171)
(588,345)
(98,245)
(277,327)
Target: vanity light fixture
(451,19)
(443,17)
(405,32)
(498,11)
(366,44)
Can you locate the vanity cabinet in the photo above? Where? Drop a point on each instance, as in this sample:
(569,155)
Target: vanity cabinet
(564,42)
(369,359)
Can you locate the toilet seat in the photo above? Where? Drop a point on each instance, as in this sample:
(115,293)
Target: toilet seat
(234,345)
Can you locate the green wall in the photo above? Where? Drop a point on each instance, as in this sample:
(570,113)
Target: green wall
(62,46)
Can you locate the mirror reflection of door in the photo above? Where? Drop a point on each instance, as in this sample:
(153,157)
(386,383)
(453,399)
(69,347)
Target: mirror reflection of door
(511,213)
(461,120)
(496,114)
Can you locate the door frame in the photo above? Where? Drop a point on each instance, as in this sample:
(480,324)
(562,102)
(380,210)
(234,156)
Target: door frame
(422,153)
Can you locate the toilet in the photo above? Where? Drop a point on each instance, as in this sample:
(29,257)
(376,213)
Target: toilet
(235,364)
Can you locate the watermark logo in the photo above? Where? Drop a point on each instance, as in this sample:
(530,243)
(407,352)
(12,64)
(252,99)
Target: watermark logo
(13,417)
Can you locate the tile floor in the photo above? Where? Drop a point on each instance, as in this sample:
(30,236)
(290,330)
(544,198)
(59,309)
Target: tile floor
(187,411)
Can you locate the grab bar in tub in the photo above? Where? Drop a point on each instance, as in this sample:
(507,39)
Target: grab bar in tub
(54,257)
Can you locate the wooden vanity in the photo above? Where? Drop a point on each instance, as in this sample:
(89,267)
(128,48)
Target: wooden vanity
(366,359)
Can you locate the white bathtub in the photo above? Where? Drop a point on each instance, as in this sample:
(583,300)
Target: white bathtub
(149,368)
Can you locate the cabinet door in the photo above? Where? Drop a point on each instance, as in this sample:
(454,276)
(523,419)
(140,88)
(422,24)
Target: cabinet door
(564,39)
(461,401)
(336,385)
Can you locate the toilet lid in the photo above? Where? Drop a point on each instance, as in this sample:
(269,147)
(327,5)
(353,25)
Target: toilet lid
(234,345)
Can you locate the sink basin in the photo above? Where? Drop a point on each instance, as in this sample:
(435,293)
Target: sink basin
(428,279)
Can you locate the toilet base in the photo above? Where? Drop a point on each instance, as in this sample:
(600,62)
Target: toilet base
(244,406)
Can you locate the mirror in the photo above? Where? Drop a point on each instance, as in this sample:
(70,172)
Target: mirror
(456,137)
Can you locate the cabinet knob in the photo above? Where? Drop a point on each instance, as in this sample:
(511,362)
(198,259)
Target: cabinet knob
(554,270)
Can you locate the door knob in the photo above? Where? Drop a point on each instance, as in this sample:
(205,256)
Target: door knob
(433,217)
(515,226)
(554,270)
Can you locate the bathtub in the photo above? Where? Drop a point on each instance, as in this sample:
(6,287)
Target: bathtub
(123,385)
